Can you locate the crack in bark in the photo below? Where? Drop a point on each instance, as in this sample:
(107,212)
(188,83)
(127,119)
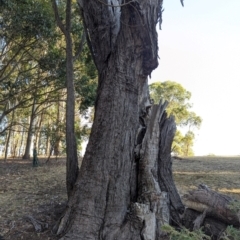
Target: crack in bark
(105,211)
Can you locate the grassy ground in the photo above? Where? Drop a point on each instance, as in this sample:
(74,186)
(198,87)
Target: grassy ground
(219,173)
(41,193)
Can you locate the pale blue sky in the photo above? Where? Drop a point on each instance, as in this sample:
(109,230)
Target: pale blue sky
(199,47)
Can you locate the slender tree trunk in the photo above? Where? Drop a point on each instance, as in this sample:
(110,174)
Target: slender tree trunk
(9,136)
(47,148)
(38,132)
(7,144)
(117,194)
(58,133)
(14,148)
(21,143)
(29,134)
(72,158)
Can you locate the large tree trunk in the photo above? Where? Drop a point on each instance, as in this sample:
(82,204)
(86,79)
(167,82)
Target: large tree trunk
(118,193)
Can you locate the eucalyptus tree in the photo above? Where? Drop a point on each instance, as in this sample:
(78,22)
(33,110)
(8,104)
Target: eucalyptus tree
(72,31)
(33,57)
(121,191)
(179,106)
(25,28)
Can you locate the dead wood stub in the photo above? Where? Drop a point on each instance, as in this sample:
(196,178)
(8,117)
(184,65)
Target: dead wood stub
(38,225)
(211,226)
(168,129)
(153,155)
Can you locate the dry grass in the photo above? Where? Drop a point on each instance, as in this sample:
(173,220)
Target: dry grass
(219,173)
(27,191)
(40,192)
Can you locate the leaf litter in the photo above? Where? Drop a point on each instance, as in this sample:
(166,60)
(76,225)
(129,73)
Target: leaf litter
(31,193)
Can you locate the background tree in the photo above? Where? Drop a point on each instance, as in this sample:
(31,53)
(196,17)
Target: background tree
(71,144)
(33,60)
(179,106)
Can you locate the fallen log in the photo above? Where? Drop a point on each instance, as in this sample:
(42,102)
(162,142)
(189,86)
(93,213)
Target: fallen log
(212,204)
(210,210)
(211,227)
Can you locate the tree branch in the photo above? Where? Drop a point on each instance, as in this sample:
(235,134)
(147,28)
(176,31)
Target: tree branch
(68,15)
(80,48)
(57,17)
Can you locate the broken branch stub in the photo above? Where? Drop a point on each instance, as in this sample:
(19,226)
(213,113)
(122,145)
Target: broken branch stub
(154,156)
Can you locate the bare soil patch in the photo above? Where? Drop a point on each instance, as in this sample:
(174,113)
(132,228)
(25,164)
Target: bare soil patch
(41,193)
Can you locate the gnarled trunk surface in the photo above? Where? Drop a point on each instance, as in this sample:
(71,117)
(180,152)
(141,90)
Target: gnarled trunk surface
(121,191)
(125,188)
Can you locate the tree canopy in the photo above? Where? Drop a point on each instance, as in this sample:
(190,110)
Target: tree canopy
(33,75)
(179,106)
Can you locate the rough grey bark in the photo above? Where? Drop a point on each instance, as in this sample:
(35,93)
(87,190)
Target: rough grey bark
(125,188)
(168,130)
(156,188)
(117,194)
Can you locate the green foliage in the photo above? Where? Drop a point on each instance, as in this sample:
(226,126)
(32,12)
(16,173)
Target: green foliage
(33,65)
(184,234)
(176,96)
(234,206)
(26,19)
(231,233)
(182,144)
(179,106)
